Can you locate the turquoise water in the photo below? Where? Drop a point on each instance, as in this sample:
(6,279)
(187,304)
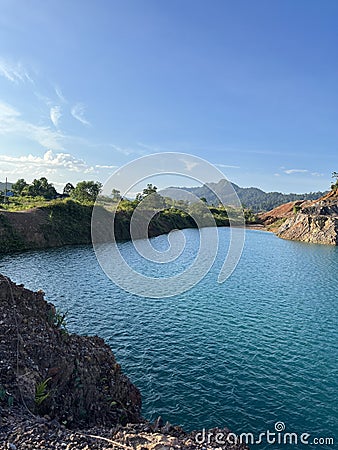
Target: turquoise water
(257,349)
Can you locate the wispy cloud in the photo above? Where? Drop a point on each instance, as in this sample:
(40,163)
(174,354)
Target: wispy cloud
(7,111)
(226,166)
(59,94)
(78,112)
(11,122)
(126,151)
(99,166)
(291,171)
(151,148)
(317,174)
(14,72)
(55,115)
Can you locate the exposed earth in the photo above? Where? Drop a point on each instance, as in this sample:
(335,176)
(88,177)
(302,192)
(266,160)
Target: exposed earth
(308,221)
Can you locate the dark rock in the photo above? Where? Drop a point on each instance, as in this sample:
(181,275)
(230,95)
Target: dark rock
(167,427)
(88,380)
(158,423)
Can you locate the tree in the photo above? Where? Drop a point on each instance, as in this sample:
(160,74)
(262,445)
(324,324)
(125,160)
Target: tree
(86,191)
(150,189)
(116,194)
(150,198)
(40,188)
(335,185)
(154,201)
(19,186)
(68,189)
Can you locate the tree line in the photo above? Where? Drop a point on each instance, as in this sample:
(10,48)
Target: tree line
(88,191)
(84,191)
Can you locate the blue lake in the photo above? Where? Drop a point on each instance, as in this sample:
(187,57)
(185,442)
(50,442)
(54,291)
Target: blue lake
(262,347)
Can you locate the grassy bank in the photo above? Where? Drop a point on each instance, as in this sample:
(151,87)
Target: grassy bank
(66,222)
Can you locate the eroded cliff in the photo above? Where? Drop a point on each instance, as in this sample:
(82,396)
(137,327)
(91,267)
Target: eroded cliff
(69,223)
(315,222)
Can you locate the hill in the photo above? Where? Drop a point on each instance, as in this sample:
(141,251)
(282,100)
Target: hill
(254,198)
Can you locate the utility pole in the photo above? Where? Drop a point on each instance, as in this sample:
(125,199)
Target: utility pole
(5,197)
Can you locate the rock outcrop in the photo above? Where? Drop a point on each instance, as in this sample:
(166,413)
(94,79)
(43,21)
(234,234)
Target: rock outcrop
(273,219)
(314,222)
(79,376)
(63,391)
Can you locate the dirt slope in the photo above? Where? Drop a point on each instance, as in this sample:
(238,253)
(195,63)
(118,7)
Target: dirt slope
(308,221)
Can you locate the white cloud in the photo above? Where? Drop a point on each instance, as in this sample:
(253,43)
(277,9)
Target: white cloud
(317,174)
(44,99)
(12,123)
(49,161)
(291,171)
(7,111)
(99,166)
(226,166)
(59,94)
(61,166)
(78,112)
(127,151)
(151,148)
(14,72)
(189,165)
(55,115)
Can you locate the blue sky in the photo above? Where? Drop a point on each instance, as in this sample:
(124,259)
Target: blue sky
(86,86)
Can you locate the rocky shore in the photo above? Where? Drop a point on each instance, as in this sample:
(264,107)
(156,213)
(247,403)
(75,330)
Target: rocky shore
(63,391)
(315,222)
(20,431)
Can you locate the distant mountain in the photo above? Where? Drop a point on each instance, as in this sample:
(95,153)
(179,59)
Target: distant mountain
(253,198)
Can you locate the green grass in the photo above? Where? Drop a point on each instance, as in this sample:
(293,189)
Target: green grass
(24,203)
(41,392)
(276,224)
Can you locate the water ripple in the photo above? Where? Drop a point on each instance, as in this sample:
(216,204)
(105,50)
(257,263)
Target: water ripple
(259,348)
